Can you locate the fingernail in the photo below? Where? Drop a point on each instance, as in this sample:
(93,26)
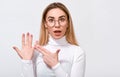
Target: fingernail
(13,47)
(27,33)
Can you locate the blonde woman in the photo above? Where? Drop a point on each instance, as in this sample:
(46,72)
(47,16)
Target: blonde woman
(57,53)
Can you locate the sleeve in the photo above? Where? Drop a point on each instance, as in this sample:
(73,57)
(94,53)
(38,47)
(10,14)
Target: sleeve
(78,67)
(29,67)
(59,72)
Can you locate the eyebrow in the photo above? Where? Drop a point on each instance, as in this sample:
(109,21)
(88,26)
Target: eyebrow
(62,16)
(54,17)
(50,17)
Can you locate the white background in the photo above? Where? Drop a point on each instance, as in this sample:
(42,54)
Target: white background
(96,24)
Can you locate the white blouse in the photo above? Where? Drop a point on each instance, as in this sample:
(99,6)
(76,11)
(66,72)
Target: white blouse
(71,61)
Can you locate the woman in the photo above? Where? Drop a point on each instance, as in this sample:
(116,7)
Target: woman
(57,53)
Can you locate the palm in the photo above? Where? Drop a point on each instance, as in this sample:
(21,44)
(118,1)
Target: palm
(27,50)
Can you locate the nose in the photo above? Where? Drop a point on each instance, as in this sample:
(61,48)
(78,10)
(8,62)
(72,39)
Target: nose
(57,24)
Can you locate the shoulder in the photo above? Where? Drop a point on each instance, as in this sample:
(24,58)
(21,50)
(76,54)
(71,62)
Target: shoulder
(77,49)
(79,53)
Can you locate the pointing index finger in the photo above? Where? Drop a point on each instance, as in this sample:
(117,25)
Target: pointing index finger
(43,50)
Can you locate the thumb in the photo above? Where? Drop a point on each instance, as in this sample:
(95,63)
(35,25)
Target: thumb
(18,51)
(57,52)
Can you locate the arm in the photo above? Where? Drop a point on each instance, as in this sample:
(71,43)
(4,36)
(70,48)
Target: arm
(51,59)
(28,69)
(29,66)
(78,68)
(26,54)
(59,71)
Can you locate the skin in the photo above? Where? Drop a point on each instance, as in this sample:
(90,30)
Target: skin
(56,14)
(27,50)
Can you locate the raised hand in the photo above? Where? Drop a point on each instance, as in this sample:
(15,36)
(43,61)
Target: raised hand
(51,59)
(26,53)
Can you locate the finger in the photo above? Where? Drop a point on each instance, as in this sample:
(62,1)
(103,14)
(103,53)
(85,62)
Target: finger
(27,39)
(57,52)
(23,40)
(46,60)
(30,40)
(43,50)
(40,50)
(37,43)
(18,51)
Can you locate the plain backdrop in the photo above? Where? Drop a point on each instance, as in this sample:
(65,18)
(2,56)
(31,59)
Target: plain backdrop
(96,24)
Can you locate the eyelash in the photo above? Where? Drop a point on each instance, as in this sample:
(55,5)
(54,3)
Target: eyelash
(62,19)
(51,20)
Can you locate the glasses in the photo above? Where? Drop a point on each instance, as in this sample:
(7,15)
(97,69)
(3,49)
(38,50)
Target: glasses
(51,22)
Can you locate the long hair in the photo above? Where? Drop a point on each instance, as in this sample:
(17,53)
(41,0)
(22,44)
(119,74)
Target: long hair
(70,36)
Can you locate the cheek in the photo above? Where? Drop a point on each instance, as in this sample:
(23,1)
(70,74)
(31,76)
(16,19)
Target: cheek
(64,29)
(50,30)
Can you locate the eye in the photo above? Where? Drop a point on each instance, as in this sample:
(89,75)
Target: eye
(50,20)
(62,19)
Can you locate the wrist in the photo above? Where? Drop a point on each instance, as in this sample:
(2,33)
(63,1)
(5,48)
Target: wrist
(27,61)
(27,58)
(55,66)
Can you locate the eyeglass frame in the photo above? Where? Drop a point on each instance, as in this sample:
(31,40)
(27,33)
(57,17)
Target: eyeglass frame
(54,21)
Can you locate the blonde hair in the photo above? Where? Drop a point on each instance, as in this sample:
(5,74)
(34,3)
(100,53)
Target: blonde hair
(70,36)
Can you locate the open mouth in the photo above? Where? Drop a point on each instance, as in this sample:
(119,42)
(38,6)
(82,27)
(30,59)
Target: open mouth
(57,31)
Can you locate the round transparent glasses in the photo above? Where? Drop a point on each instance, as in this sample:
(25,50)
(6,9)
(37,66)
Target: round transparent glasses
(51,22)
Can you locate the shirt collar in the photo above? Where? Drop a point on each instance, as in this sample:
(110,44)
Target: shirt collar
(61,41)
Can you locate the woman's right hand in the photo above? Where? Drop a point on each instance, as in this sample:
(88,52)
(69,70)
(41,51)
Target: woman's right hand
(26,53)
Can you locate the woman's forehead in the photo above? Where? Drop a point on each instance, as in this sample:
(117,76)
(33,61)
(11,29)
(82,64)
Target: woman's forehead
(56,13)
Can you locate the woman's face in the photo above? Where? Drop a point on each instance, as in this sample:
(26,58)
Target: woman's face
(56,23)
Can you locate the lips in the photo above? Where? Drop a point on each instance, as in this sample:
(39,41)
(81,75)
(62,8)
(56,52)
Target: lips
(57,31)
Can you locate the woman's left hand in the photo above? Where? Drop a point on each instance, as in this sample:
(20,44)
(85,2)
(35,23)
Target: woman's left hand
(51,59)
